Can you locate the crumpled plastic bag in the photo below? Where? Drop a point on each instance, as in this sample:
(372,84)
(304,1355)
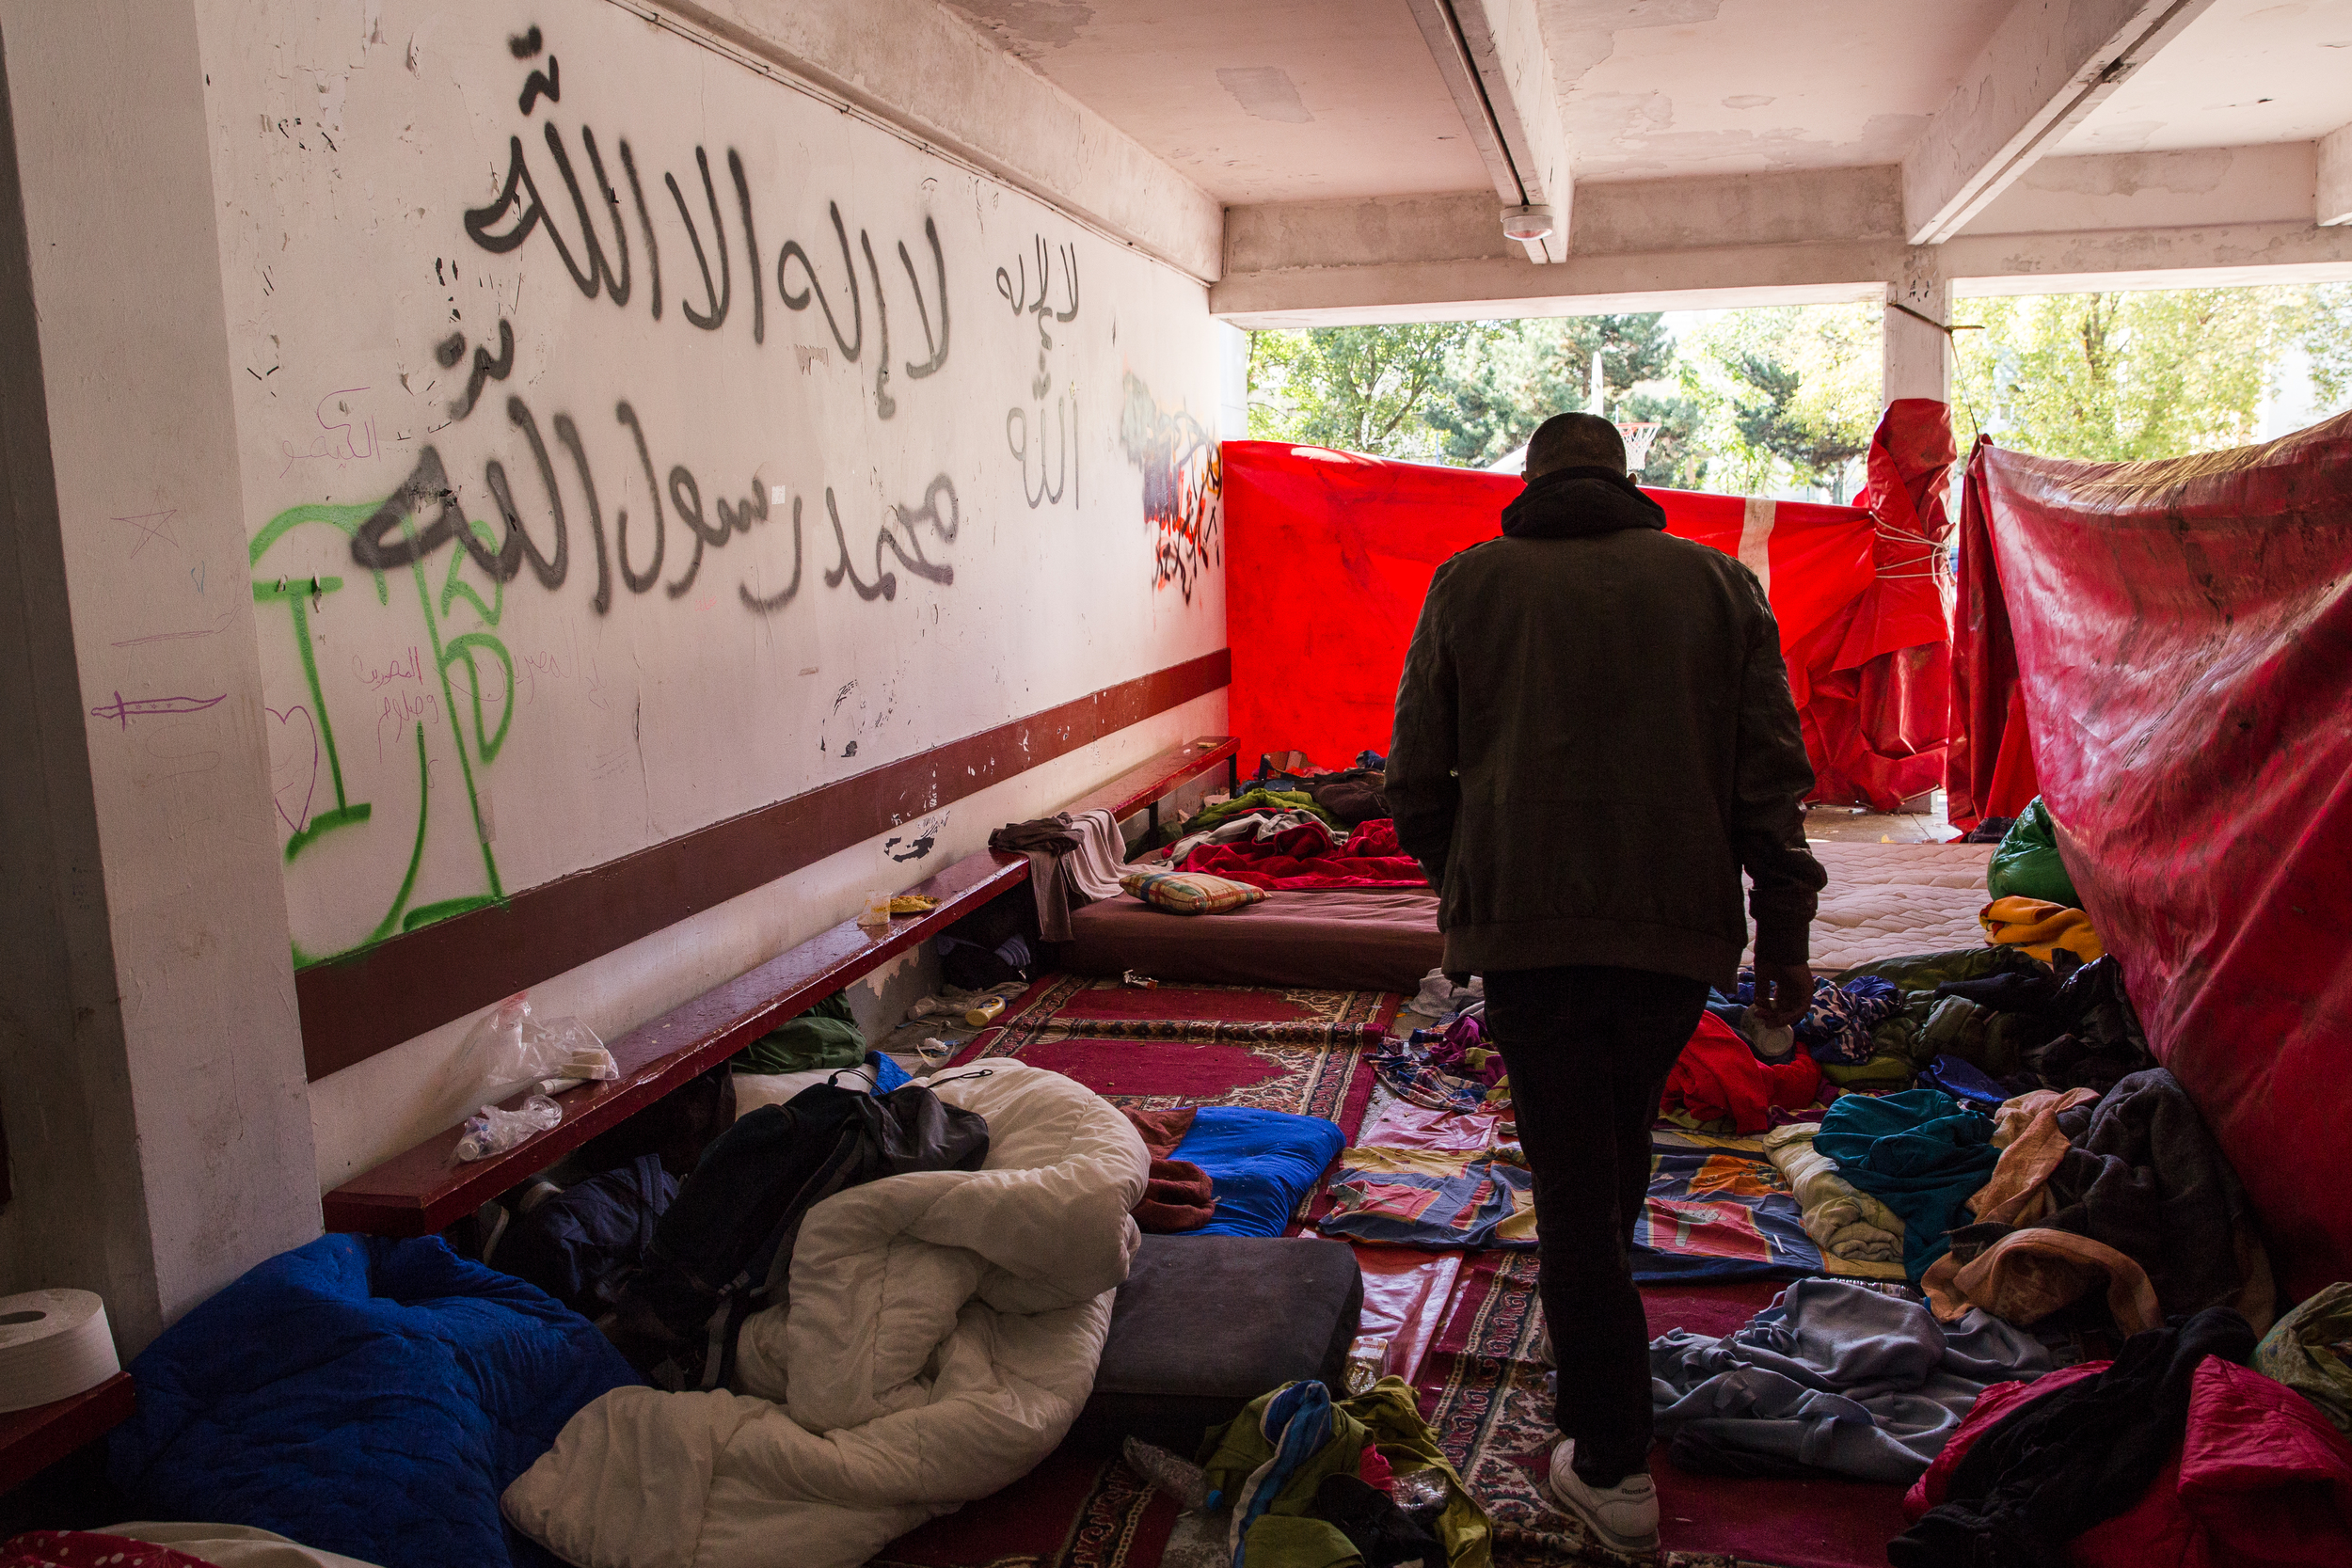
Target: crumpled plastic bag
(2310,1350)
(2026,865)
(491,1131)
(512,1049)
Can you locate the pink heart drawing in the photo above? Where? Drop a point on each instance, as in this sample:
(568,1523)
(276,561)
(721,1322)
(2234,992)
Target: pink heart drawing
(294,764)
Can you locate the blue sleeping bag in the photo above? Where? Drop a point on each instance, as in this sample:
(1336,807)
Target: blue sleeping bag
(366,1397)
(1259,1163)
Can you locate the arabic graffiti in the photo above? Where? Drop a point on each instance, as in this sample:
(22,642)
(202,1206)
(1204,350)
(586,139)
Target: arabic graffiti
(1012,286)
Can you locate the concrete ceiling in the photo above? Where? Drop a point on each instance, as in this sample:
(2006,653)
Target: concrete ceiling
(1255,99)
(2243,73)
(1262,101)
(1728,86)
(1358,159)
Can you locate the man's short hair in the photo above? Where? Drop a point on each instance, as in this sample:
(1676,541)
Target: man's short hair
(1574,442)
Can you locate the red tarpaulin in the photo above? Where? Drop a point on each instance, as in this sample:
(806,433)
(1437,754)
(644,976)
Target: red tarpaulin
(1328,556)
(2180,637)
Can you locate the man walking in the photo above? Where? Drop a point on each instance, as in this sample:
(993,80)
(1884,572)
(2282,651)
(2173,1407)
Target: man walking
(1594,738)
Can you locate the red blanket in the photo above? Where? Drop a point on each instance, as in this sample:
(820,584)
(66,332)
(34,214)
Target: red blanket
(1306,858)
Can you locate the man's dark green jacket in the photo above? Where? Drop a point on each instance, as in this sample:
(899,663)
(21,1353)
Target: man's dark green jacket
(1593,738)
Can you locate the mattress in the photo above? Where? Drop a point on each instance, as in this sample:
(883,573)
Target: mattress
(1337,939)
(1887,900)
(1882,901)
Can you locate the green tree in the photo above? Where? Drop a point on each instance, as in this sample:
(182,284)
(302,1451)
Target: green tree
(2328,338)
(1516,374)
(1817,452)
(2120,377)
(1790,395)
(1360,388)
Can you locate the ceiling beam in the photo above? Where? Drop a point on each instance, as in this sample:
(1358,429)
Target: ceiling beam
(1491,54)
(1442,32)
(915,66)
(1783,238)
(2335,176)
(2047,66)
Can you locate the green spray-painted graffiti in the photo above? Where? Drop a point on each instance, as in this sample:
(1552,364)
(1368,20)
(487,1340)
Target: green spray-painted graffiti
(302,597)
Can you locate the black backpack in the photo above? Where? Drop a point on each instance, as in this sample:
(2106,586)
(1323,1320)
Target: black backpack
(731,1228)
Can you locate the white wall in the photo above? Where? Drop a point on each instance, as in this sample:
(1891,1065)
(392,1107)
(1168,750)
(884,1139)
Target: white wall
(158,1128)
(454,738)
(242,302)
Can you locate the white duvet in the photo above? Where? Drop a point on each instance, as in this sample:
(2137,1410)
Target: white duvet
(941,1333)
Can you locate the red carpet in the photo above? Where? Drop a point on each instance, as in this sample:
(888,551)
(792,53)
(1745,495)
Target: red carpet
(1075,1511)
(1295,1051)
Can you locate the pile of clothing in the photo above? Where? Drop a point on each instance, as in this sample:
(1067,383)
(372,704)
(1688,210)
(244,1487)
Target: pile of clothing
(1439,1001)
(1835,1030)
(1843,1220)
(2086,1211)
(928,1340)
(1296,827)
(1307,855)
(1350,795)
(1997,1019)
(1721,1082)
(1298,1480)
(2173,1455)
(2128,1193)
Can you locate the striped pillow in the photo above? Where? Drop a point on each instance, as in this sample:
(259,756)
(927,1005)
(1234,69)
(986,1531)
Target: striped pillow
(1189,892)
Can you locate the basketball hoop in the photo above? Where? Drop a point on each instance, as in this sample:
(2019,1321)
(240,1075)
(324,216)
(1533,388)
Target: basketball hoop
(1638,438)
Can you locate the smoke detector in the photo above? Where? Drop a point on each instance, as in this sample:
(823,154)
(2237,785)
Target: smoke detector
(1527,223)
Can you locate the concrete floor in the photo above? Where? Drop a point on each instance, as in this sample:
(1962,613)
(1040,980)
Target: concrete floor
(1845,825)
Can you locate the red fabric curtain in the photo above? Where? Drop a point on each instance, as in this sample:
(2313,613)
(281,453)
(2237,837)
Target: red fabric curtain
(2179,635)
(1328,556)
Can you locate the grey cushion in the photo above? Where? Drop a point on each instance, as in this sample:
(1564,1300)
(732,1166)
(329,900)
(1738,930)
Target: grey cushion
(1206,1324)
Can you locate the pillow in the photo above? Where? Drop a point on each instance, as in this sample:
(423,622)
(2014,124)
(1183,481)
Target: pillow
(1189,892)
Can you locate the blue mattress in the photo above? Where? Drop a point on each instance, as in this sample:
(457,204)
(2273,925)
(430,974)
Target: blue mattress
(1261,1164)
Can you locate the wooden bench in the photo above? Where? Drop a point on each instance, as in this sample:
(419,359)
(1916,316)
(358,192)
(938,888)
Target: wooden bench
(32,1440)
(423,1189)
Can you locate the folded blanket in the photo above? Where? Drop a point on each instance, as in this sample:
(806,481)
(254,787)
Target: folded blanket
(1839,1216)
(2039,928)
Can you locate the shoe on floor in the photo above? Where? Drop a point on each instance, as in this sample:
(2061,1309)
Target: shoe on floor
(1623,1518)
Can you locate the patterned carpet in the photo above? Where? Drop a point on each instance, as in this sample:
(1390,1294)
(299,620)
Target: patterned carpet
(1310,1053)
(1077,1510)
(1296,1050)
(1483,1393)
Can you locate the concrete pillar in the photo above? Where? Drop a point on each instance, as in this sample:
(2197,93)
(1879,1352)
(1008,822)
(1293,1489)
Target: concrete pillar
(1917,352)
(152,1079)
(1233,383)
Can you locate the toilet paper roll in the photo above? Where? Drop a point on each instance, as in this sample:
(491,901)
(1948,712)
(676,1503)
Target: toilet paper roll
(54,1344)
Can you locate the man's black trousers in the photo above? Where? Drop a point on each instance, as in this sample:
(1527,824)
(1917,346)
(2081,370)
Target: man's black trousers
(1588,1050)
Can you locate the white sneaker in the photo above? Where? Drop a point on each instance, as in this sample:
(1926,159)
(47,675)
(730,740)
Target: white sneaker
(1623,1518)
